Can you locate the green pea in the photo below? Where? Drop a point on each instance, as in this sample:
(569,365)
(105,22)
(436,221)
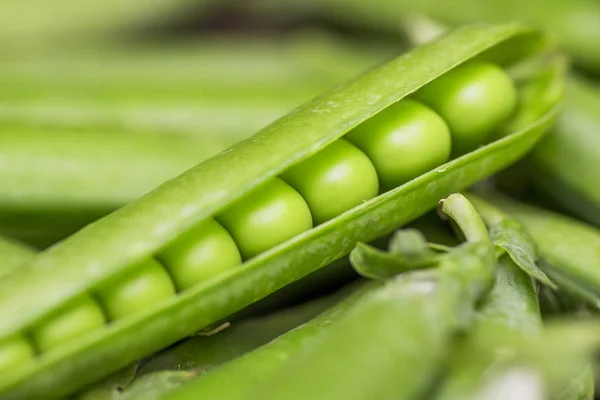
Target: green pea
(474,99)
(334,180)
(200,253)
(146,285)
(266,217)
(15,351)
(71,322)
(403,141)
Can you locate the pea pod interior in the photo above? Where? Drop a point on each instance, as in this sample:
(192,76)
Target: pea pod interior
(113,248)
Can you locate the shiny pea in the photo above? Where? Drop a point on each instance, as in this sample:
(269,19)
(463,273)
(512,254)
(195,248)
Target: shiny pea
(334,180)
(145,286)
(15,351)
(474,99)
(72,321)
(200,253)
(403,141)
(266,217)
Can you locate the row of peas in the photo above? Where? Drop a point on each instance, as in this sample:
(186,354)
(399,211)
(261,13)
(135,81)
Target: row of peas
(453,114)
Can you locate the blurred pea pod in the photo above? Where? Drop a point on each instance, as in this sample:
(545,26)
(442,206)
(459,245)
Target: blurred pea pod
(203,353)
(574,24)
(236,379)
(52,184)
(223,87)
(32,25)
(13,254)
(566,161)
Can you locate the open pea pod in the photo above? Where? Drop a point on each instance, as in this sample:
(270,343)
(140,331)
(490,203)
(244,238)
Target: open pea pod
(112,247)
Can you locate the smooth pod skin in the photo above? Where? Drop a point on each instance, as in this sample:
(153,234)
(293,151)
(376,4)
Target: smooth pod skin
(202,252)
(403,141)
(266,217)
(13,255)
(334,180)
(474,99)
(145,286)
(76,319)
(15,351)
(235,379)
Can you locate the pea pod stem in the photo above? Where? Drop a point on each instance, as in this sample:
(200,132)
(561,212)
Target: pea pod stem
(464,214)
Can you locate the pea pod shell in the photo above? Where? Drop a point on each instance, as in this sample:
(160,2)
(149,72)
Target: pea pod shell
(111,245)
(567,246)
(566,161)
(236,379)
(13,255)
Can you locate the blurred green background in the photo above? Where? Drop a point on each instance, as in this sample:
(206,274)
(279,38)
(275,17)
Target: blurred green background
(101,101)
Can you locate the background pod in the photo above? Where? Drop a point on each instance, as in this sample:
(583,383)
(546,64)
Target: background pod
(113,244)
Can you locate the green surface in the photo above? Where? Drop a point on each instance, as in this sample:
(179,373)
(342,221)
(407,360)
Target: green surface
(117,242)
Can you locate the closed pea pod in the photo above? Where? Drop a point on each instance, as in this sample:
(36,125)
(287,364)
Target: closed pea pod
(114,245)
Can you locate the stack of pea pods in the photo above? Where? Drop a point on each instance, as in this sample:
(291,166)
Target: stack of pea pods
(422,225)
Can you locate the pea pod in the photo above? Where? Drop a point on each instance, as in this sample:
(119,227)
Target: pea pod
(563,164)
(510,309)
(236,379)
(59,182)
(120,247)
(401,332)
(569,249)
(13,255)
(574,24)
(205,353)
(509,313)
(214,88)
